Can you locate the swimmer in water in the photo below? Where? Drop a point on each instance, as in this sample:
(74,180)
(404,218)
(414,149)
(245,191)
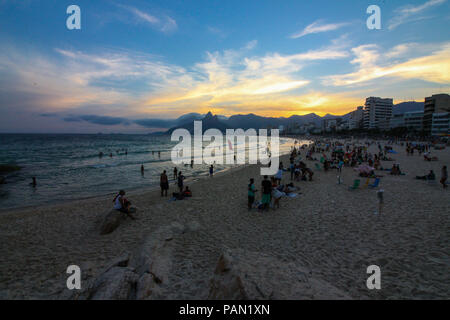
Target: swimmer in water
(34,182)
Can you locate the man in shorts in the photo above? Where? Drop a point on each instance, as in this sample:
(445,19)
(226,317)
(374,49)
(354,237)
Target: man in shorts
(164,183)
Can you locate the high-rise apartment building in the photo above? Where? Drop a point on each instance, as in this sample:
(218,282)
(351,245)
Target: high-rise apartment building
(377,113)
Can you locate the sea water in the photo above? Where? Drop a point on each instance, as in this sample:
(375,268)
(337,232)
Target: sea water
(68,166)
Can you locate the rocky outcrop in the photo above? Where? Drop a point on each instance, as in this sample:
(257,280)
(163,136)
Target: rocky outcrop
(142,275)
(159,270)
(111,221)
(242,274)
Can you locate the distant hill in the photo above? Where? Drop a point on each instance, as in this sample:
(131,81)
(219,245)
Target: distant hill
(408,107)
(209,121)
(246,121)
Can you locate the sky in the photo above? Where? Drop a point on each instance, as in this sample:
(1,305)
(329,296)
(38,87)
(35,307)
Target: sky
(134,63)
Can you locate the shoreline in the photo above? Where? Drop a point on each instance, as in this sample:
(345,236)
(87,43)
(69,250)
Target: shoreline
(136,189)
(328,230)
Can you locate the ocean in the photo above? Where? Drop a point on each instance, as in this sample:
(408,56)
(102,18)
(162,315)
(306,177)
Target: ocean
(68,166)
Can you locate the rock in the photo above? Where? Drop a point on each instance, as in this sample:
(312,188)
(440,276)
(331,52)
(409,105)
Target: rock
(226,283)
(121,261)
(2,180)
(155,255)
(148,288)
(115,284)
(111,221)
(146,274)
(7,168)
(241,274)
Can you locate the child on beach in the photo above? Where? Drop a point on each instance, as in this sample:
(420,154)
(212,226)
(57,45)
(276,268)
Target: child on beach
(251,193)
(266,193)
(187,193)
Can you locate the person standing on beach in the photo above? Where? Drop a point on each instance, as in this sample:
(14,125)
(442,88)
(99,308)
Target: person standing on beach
(180,182)
(142,169)
(164,183)
(292,167)
(266,193)
(175,173)
(211,171)
(251,193)
(444,177)
(279,176)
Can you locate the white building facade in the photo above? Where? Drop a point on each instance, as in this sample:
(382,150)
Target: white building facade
(377,113)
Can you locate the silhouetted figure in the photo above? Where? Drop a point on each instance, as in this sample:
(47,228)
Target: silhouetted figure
(33,184)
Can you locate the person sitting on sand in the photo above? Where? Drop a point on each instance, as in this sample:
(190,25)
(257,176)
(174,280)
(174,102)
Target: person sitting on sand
(122,204)
(430,176)
(427,157)
(394,170)
(187,193)
(290,188)
(164,183)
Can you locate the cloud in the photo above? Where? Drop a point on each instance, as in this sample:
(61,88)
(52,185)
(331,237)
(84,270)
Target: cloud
(433,66)
(232,77)
(97,119)
(164,23)
(409,13)
(217,32)
(125,85)
(317,27)
(104,120)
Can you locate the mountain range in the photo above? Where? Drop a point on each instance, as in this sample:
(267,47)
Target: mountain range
(246,121)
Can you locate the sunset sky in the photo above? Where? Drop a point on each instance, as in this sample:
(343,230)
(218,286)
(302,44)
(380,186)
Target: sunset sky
(137,60)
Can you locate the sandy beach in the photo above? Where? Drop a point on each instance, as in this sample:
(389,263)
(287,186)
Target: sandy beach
(328,231)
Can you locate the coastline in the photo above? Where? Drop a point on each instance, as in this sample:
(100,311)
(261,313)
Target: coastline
(154,185)
(328,230)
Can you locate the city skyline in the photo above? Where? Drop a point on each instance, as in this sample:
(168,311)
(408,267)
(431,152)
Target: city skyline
(139,60)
